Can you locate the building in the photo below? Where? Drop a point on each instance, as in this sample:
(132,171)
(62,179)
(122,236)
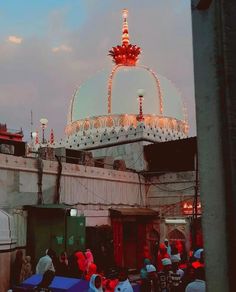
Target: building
(103,170)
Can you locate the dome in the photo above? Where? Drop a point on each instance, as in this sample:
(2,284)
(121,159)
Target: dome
(108,110)
(91,98)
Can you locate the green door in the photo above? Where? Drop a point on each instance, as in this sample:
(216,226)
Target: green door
(75,234)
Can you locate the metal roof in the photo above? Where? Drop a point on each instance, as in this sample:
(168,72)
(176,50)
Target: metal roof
(133,212)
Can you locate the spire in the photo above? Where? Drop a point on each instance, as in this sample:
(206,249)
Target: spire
(125,29)
(126,54)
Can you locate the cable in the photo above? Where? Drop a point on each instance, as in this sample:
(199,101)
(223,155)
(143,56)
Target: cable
(171,190)
(135,161)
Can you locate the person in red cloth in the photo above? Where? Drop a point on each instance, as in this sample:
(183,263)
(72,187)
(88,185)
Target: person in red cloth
(199,262)
(91,270)
(81,262)
(89,259)
(146,252)
(162,254)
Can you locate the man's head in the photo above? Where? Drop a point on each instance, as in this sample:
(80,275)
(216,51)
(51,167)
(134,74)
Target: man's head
(166,262)
(166,241)
(175,259)
(50,252)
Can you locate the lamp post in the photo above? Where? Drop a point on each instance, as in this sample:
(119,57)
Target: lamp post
(43,123)
(140,117)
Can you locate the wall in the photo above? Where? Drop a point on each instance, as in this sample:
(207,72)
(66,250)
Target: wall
(88,187)
(5,261)
(132,153)
(167,193)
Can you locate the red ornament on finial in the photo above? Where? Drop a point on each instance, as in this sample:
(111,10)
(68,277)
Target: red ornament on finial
(126,54)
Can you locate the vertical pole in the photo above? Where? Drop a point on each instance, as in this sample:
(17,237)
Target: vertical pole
(43,133)
(214,46)
(31,125)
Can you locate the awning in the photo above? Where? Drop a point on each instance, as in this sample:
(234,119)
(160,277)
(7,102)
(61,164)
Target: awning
(120,212)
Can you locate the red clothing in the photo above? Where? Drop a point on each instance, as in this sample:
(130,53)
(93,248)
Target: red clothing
(81,261)
(146,253)
(91,270)
(162,254)
(110,284)
(197,264)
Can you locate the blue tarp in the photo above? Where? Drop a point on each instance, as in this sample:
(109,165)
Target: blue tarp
(62,284)
(59,284)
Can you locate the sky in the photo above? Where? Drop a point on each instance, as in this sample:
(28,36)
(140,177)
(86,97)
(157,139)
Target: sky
(50,47)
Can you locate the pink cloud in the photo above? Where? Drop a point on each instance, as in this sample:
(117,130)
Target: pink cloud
(14,39)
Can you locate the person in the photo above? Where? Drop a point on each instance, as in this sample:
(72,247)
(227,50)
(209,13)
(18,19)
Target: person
(144,276)
(189,275)
(162,254)
(88,259)
(199,285)
(47,279)
(63,265)
(146,252)
(17,267)
(124,284)
(110,284)
(26,270)
(152,283)
(81,263)
(95,283)
(176,274)
(45,263)
(91,270)
(199,259)
(168,247)
(164,276)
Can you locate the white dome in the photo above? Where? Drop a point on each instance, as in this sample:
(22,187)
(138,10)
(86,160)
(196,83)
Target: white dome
(91,97)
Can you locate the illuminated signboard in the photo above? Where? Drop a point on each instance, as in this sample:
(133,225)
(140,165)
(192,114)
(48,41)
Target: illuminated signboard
(187,208)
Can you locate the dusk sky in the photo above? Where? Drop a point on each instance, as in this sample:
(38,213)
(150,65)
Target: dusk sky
(50,47)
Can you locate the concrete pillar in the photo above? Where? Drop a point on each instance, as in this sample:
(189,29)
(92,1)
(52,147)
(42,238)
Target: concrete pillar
(214,45)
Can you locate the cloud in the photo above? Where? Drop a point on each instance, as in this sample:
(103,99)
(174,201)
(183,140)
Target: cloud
(61,48)
(14,39)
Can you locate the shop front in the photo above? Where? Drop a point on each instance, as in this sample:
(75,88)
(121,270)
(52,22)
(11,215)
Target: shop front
(131,227)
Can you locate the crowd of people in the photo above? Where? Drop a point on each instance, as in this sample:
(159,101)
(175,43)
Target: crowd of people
(170,272)
(79,265)
(173,272)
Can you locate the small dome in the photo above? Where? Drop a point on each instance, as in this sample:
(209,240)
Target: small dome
(91,98)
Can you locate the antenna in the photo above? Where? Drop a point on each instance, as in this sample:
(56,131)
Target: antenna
(31,124)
